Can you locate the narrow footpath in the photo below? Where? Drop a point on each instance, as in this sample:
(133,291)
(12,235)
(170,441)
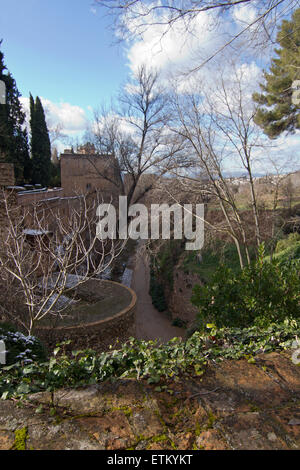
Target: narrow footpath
(150,324)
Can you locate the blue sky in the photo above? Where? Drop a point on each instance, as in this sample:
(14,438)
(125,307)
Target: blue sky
(64,52)
(61,50)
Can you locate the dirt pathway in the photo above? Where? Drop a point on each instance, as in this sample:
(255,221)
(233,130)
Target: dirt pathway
(150,324)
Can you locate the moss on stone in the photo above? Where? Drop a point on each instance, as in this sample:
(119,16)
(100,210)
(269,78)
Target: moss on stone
(20,439)
(211,420)
(126,409)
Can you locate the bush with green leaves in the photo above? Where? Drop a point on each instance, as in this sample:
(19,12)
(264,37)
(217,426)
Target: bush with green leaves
(157,292)
(260,294)
(179,322)
(290,253)
(145,359)
(288,242)
(20,347)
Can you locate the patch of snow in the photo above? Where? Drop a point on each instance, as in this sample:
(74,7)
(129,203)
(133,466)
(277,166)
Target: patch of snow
(127,277)
(105,274)
(31,231)
(61,303)
(71,281)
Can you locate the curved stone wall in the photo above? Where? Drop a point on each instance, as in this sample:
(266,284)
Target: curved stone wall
(99,335)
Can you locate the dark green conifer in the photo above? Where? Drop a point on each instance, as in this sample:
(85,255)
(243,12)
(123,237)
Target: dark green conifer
(40,144)
(277,112)
(13,135)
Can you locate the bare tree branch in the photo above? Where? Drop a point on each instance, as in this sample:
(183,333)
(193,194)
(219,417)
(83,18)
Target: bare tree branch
(41,261)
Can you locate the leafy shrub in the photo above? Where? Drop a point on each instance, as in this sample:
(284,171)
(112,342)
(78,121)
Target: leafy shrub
(167,259)
(287,249)
(161,272)
(288,242)
(6,326)
(293,223)
(179,322)
(212,256)
(158,298)
(20,347)
(157,293)
(260,294)
(145,359)
(289,254)
(295,210)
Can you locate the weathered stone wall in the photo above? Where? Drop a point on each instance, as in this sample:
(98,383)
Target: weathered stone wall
(179,299)
(11,200)
(28,198)
(295,179)
(7,174)
(81,173)
(7,178)
(51,206)
(233,405)
(113,330)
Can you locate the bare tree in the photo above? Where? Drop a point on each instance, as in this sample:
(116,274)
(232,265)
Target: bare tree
(289,193)
(133,18)
(272,186)
(220,132)
(137,136)
(45,264)
(56,133)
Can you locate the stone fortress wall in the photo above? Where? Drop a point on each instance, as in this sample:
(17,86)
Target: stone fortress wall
(7,180)
(83,173)
(7,174)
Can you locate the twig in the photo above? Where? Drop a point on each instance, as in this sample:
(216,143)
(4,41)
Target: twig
(203,393)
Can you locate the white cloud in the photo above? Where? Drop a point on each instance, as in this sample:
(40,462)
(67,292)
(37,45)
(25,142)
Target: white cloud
(244,14)
(71,119)
(177,50)
(244,76)
(287,147)
(112,120)
(170,49)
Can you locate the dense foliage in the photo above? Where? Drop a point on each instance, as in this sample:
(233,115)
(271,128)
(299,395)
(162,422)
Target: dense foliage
(40,144)
(289,242)
(14,147)
(161,272)
(262,293)
(278,113)
(211,256)
(157,292)
(13,135)
(145,359)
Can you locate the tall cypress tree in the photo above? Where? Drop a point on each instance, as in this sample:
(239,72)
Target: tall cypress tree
(13,135)
(278,113)
(40,144)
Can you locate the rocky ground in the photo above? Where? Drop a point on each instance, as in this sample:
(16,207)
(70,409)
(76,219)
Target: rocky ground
(234,405)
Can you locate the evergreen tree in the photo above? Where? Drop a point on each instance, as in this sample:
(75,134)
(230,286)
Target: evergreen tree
(283,114)
(40,144)
(13,135)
